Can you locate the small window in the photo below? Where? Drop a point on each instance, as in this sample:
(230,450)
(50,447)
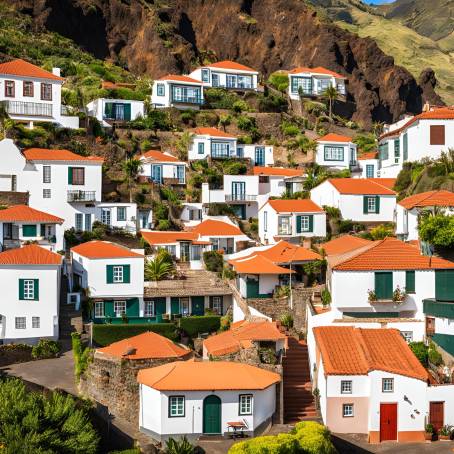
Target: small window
(87,222)
(176,406)
(305,224)
(245,404)
(46,92)
(9,89)
(410,281)
(99,309)
(46,174)
(407,335)
(201,148)
(121,213)
(371,205)
(264,179)
(387,385)
(118,274)
(119,308)
(28,89)
(148,309)
(184,306)
(347,410)
(79,222)
(369,171)
(46,193)
(216,305)
(205,75)
(160,90)
(76,176)
(21,323)
(36,322)
(346,387)
(437,135)
(29,289)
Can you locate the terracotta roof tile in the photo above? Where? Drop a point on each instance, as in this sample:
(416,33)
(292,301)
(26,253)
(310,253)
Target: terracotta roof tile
(159,156)
(368,155)
(104,250)
(331,137)
(277,171)
(31,254)
(343,244)
(317,70)
(284,252)
(144,346)
(360,186)
(346,350)
(214,132)
(26,213)
(228,64)
(213,227)
(154,237)
(179,78)
(386,182)
(207,376)
(294,206)
(22,68)
(428,199)
(44,154)
(257,264)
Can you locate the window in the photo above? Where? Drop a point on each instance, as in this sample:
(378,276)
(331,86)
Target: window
(304,223)
(387,385)
(347,410)
(240,153)
(148,309)
(346,387)
(121,213)
(99,309)
(334,153)
(220,149)
(79,222)
(27,89)
(76,175)
(245,407)
(383,151)
(205,75)
(405,147)
(437,135)
(176,406)
(14,183)
(216,305)
(87,225)
(265,221)
(184,306)
(201,148)
(21,323)
(105,216)
(9,89)
(118,274)
(305,83)
(244,81)
(180,174)
(407,335)
(371,205)
(384,285)
(46,174)
(396,150)
(160,90)
(29,289)
(215,80)
(410,281)
(46,193)
(284,226)
(369,171)
(119,308)
(171,249)
(46,92)
(36,322)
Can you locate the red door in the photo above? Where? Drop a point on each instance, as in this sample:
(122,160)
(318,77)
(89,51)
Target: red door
(388,422)
(436,415)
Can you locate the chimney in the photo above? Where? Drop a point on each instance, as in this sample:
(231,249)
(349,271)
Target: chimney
(56,72)
(426,107)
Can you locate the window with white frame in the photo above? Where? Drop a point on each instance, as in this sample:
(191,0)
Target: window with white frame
(118,273)
(21,323)
(29,289)
(121,213)
(46,92)
(99,309)
(119,308)
(36,322)
(46,174)
(160,89)
(245,404)
(387,385)
(176,406)
(407,335)
(305,225)
(216,305)
(284,225)
(347,410)
(79,222)
(184,306)
(334,153)
(205,75)
(171,249)
(46,193)
(148,310)
(371,204)
(346,386)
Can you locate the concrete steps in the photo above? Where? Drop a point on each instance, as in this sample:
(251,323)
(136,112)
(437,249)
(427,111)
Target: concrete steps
(69,319)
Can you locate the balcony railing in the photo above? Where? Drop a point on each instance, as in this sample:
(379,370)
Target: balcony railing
(187,99)
(440,309)
(32,109)
(240,198)
(81,196)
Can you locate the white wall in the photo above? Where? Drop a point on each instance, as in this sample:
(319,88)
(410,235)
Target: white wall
(160,101)
(193,151)
(96,108)
(222,73)
(129,224)
(442,393)
(363,163)
(349,151)
(169,169)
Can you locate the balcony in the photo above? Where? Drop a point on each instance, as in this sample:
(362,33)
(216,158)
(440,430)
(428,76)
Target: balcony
(440,309)
(240,198)
(187,100)
(81,196)
(29,109)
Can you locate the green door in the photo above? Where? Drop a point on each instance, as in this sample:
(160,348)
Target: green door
(132,307)
(384,285)
(198,305)
(175,305)
(212,415)
(252,288)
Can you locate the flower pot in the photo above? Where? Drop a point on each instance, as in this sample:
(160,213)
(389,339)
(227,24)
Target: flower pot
(444,437)
(428,436)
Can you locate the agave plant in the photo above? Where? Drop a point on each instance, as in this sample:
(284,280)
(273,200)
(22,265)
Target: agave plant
(181,446)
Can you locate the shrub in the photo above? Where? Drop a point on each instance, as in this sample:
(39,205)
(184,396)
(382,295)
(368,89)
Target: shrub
(233,167)
(313,438)
(420,350)
(82,355)
(246,123)
(435,357)
(218,98)
(240,106)
(46,348)
(182,446)
(326,297)
(279,81)
(213,261)
(107,334)
(268,444)
(196,324)
(272,103)
(382,231)
(286,320)
(289,129)
(437,230)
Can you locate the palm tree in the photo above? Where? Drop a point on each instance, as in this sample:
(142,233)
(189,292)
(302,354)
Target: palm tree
(132,167)
(330,94)
(160,267)
(225,120)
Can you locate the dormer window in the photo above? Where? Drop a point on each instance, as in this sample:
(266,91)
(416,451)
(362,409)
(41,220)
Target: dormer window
(9,89)
(28,89)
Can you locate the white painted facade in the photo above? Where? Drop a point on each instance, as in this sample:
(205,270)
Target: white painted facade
(369,168)
(229,78)
(191,213)
(107,110)
(313,83)
(162,171)
(177,93)
(336,155)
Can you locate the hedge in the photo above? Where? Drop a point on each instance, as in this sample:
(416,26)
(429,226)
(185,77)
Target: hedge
(196,324)
(106,334)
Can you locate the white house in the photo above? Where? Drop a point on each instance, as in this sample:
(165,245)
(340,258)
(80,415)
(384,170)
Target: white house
(114,278)
(30,294)
(182,92)
(191,213)
(227,74)
(163,168)
(33,94)
(413,138)
(409,209)
(358,199)
(291,219)
(217,144)
(336,151)
(196,398)
(371,383)
(313,82)
(20,224)
(108,111)
(368,165)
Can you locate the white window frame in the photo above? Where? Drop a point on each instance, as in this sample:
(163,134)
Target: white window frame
(29,289)
(47,176)
(333,153)
(79,222)
(348,410)
(46,194)
(216,304)
(346,386)
(20,322)
(176,406)
(118,308)
(160,89)
(288,225)
(99,309)
(371,205)
(265,221)
(387,385)
(246,404)
(146,306)
(185,307)
(106,216)
(305,224)
(36,322)
(407,335)
(117,274)
(121,210)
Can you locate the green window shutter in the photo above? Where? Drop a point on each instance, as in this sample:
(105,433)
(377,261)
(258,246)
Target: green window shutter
(311,223)
(109,274)
(21,289)
(109,309)
(160,306)
(29,230)
(444,285)
(298,224)
(126,274)
(36,286)
(132,307)
(70,175)
(127,108)
(365,211)
(384,285)
(174,305)
(108,109)
(410,281)
(43,230)
(377,204)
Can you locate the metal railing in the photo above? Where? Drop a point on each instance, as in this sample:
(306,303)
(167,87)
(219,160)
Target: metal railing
(240,198)
(81,196)
(187,99)
(34,109)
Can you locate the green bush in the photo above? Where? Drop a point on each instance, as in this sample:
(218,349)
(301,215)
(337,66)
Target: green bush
(234,167)
(181,446)
(240,106)
(46,348)
(289,129)
(272,103)
(200,324)
(279,81)
(81,353)
(107,334)
(213,261)
(437,230)
(246,123)
(435,357)
(218,98)
(313,438)
(420,350)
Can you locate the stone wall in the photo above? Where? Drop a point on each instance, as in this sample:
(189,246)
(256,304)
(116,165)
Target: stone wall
(9,198)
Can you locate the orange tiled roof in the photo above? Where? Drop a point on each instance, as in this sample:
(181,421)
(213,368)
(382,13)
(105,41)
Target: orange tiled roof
(23,68)
(331,137)
(213,227)
(31,254)
(343,244)
(178,78)
(438,113)
(387,182)
(44,154)
(207,376)
(156,237)
(214,132)
(26,213)
(294,206)
(317,70)
(367,186)
(429,199)
(104,250)
(241,334)
(258,264)
(346,350)
(285,252)
(368,155)
(228,64)
(277,171)
(144,346)
(159,156)
(392,254)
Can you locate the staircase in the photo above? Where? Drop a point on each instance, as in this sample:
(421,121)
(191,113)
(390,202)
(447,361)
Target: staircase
(69,319)
(298,399)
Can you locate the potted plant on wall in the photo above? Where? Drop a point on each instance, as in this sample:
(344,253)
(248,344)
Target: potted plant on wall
(445,432)
(398,295)
(371,296)
(429,432)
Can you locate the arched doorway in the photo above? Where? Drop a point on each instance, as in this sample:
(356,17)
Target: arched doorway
(212,415)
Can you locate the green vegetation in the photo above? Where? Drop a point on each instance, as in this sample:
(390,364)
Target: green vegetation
(46,348)
(82,355)
(181,446)
(214,261)
(365,142)
(421,351)
(160,267)
(279,81)
(197,324)
(107,334)
(437,230)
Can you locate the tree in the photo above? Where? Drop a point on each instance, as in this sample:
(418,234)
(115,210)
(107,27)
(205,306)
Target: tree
(132,168)
(160,267)
(5,122)
(225,120)
(279,81)
(330,94)
(437,229)
(182,145)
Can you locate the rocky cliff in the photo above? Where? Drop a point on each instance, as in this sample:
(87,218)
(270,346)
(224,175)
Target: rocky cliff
(266,34)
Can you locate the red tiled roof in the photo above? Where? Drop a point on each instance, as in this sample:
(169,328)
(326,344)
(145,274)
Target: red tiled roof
(258,264)
(178,78)
(213,227)
(284,252)
(26,213)
(31,254)
(155,237)
(294,206)
(228,64)
(159,156)
(438,113)
(214,132)
(368,155)
(104,250)
(428,199)
(44,154)
(346,350)
(343,244)
(316,70)
(144,346)
(277,171)
(387,182)
(23,68)
(207,376)
(360,186)
(331,137)
(392,254)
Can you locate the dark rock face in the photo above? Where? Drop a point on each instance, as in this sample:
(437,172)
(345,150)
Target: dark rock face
(266,34)
(427,81)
